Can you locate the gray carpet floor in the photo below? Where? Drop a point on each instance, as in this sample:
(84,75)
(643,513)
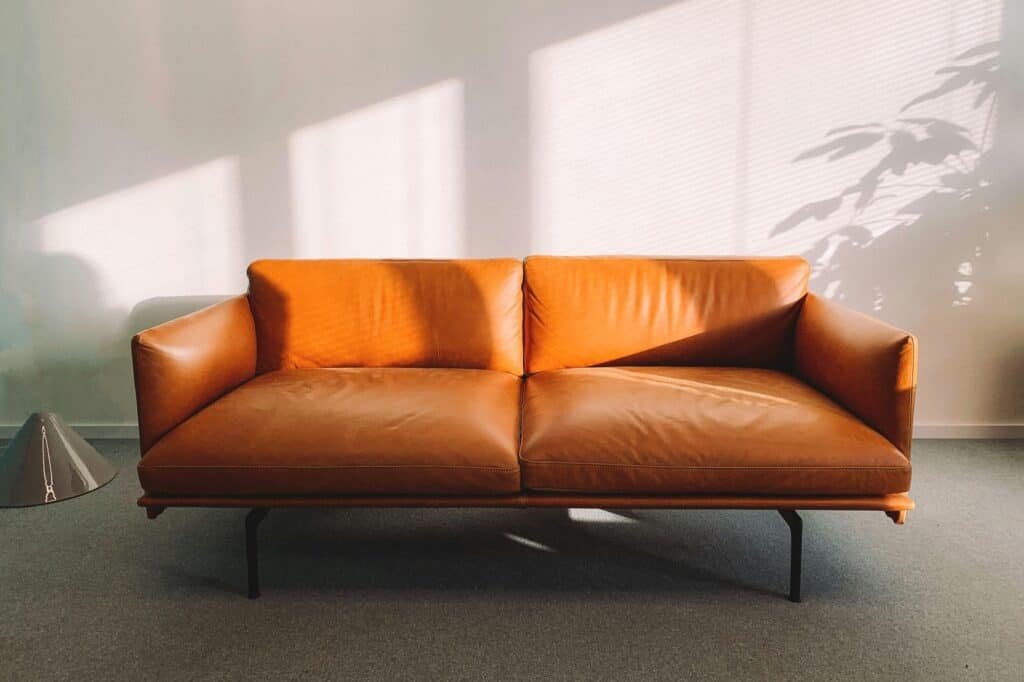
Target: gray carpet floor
(91,589)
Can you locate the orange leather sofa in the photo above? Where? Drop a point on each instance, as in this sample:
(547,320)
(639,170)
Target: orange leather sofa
(558,382)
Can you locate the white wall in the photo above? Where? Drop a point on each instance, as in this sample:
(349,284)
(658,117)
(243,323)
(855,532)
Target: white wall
(149,150)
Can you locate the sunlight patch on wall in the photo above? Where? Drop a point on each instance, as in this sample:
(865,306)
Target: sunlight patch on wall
(385,181)
(175,236)
(633,134)
(676,132)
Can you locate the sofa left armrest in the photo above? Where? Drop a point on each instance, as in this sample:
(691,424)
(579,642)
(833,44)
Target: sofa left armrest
(183,365)
(862,363)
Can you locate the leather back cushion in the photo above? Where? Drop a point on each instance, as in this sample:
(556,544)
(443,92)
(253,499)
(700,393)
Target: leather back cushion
(387,313)
(583,312)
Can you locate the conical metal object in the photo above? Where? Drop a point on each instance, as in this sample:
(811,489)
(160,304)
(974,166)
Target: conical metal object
(48,462)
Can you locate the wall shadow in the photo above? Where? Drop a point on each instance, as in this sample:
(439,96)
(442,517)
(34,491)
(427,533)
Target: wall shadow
(948,205)
(54,298)
(154,311)
(63,350)
(928,237)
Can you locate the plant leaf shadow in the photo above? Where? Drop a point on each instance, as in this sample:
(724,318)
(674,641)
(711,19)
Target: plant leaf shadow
(890,213)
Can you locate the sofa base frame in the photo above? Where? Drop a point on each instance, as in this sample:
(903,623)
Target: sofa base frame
(895,507)
(257,514)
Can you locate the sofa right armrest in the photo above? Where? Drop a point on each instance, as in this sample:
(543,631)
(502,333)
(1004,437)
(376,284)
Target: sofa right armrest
(862,363)
(183,365)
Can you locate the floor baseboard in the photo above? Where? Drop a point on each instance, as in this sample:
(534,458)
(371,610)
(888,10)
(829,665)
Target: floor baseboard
(950,431)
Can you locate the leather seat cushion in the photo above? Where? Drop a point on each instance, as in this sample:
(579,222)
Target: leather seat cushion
(360,431)
(698,430)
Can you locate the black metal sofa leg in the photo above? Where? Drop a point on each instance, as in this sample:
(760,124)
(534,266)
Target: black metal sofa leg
(796,546)
(252,522)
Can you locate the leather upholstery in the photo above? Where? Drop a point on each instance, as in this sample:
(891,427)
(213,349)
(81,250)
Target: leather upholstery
(582,312)
(378,313)
(189,362)
(698,430)
(657,382)
(347,431)
(867,365)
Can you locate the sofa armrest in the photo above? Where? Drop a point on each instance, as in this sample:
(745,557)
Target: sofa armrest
(864,364)
(185,364)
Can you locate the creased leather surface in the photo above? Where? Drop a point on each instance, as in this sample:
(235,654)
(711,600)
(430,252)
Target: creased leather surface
(347,431)
(865,364)
(647,432)
(582,312)
(186,363)
(698,430)
(388,313)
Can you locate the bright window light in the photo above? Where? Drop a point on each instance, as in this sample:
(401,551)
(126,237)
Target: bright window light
(385,181)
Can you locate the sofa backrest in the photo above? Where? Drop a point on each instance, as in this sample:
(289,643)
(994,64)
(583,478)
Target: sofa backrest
(387,313)
(582,312)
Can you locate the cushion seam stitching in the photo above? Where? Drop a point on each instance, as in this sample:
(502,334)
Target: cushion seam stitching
(322,466)
(713,466)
